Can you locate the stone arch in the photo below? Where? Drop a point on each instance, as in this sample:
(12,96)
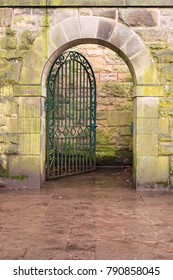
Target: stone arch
(89,29)
(128,45)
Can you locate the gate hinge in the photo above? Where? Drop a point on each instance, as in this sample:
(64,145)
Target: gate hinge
(46,105)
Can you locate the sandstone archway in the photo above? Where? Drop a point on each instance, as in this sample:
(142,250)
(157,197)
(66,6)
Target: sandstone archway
(129,46)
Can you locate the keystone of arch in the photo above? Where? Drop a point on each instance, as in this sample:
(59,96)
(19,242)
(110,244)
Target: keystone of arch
(91,29)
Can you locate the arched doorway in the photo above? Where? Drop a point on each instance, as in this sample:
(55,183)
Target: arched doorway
(122,40)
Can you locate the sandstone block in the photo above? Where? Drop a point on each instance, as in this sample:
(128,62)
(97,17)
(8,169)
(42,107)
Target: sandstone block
(29,144)
(147,126)
(5,16)
(164,125)
(71,28)
(104,12)
(27,90)
(164,56)
(146,107)
(88,26)
(166,149)
(152,171)
(119,118)
(26,166)
(29,107)
(147,144)
(105,28)
(166,72)
(132,46)
(152,34)
(139,17)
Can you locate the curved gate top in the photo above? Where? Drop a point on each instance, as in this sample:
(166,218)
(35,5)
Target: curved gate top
(71,116)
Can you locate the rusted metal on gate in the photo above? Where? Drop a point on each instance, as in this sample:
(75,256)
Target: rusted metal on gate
(70,116)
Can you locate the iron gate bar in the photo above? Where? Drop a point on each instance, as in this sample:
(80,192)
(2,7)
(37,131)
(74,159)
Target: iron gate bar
(71,116)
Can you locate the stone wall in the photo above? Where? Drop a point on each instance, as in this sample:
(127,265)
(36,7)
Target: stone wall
(21,107)
(114,105)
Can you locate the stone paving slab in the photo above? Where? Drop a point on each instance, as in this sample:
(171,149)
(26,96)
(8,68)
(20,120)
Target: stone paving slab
(98,215)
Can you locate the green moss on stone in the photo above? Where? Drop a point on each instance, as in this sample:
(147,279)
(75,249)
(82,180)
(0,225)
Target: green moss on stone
(26,40)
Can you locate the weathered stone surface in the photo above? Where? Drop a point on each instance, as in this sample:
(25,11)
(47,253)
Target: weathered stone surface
(139,17)
(27,90)
(166,149)
(147,145)
(9,106)
(145,70)
(105,28)
(166,72)
(117,90)
(29,107)
(71,28)
(6,90)
(146,107)
(166,19)
(165,107)
(163,125)
(149,91)
(68,3)
(153,171)
(119,118)
(29,144)
(8,43)
(26,166)
(157,46)
(152,34)
(61,14)
(5,16)
(108,12)
(26,39)
(88,26)
(147,126)
(24,22)
(164,56)
(132,46)
(120,36)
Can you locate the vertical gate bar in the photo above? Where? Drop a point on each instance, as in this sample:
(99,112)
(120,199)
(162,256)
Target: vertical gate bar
(62,156)
(90,116)
(65,155)
(62,101)
(69,81)
(73,122)
(76,93)
(58,145)
(65,94)
(87,155)
(87,102)
(53,124)
(69,165)
(84,103)
(80,92)
(73,154)
(76,154)
(83,156)
(58,103)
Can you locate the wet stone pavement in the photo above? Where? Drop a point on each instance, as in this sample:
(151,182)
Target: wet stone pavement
(98,215)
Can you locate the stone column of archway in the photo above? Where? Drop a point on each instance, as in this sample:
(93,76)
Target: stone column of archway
(103,31)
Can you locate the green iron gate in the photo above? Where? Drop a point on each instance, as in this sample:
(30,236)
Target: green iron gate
(71,116)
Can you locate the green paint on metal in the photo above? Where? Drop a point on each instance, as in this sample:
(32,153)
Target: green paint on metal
(71,116)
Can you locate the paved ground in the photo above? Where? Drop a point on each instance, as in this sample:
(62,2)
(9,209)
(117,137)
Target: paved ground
(98,215)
